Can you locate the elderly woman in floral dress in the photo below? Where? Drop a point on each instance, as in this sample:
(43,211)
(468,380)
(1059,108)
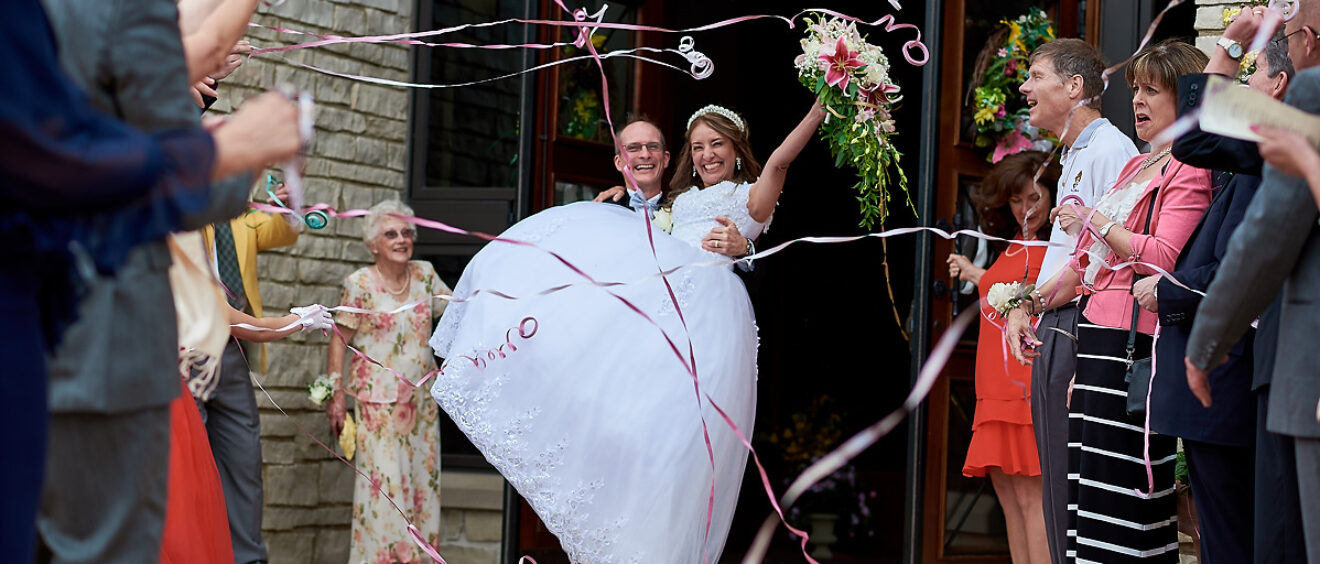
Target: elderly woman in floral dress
(398,438)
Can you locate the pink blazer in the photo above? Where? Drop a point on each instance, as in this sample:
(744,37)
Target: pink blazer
(1183,197)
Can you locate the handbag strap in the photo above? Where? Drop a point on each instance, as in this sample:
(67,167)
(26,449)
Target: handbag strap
(1136,307)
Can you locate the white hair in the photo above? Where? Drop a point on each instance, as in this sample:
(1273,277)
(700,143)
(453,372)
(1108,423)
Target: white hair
(378,213)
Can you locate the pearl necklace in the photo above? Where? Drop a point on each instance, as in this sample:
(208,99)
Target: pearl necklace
(383,282)
(1157,157)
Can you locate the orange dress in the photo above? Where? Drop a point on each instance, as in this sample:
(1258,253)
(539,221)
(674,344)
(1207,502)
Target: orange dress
(196,526)
(1002,436)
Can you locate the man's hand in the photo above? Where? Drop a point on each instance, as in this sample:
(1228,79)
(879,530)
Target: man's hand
(1020,338)
(202,88)
(281,194)
(1144,291)
(1243,27)
(237,55)
(1289,152)
(1072,221)
(725,240)
(612,195)
(263,130)
(1199,382)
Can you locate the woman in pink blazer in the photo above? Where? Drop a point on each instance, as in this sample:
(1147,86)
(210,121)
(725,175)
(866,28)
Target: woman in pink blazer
(1118,511)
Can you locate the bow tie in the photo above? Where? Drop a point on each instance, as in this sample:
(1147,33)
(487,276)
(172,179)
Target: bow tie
(636,201)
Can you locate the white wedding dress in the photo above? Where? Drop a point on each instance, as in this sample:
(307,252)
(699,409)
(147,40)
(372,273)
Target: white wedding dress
(594,419)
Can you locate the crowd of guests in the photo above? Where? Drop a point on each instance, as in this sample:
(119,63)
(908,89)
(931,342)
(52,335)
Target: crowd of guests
(1222,341)
(104,156)
(135,423)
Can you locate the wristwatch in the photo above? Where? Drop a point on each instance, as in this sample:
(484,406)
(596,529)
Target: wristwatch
(750,250)
(1233,48)
(1104,231)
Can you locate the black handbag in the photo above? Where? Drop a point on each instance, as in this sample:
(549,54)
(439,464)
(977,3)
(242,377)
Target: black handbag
(1138,370)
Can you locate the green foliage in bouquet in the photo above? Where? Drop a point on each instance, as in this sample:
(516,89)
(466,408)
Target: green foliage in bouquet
(999,111)
(851,79)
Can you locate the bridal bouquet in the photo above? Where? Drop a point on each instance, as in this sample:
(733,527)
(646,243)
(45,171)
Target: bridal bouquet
(1003,297)
(851,79)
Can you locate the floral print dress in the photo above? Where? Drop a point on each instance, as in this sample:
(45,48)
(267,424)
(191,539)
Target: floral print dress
(398,437)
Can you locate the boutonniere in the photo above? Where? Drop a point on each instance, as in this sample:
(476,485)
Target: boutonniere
(1004,297)
(663,220)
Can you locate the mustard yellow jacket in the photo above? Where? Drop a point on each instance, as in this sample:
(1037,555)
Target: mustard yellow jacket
(253,232)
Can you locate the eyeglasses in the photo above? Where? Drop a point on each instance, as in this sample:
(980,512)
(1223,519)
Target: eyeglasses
(1285,37)
(392,234)
(637,147)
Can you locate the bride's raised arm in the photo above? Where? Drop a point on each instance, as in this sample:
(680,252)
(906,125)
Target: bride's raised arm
(765,192)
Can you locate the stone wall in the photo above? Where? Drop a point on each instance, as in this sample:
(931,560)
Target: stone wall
(1210,21)
(358,158)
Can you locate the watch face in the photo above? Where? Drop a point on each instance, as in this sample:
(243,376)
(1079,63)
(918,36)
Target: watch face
(1235,50)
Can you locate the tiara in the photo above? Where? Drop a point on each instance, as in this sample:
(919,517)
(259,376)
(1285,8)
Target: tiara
(722,112)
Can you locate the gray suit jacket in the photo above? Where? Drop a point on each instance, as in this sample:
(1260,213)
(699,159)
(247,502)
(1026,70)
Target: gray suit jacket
(1277,246)
(122,354)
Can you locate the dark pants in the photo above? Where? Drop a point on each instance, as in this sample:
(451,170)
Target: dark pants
(23,387)
(234,429)
(1307,451)
(1278,530)
(1222,477)
(1050,374)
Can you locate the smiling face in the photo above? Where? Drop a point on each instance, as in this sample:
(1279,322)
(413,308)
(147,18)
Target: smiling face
(1032,198)
(643,148)
(1154,107)
(712,154)
(393,242)
(1048,100)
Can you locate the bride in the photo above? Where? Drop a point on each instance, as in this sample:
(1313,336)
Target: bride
(594,418)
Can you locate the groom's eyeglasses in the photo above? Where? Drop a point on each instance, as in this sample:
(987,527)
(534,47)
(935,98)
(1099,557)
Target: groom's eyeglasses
(392,234)
(637,147)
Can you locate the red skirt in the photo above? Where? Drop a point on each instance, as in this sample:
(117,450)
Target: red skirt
(196,525)
(1002,437)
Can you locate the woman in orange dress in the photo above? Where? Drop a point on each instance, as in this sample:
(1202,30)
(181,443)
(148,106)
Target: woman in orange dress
(196,525)
(1003,447)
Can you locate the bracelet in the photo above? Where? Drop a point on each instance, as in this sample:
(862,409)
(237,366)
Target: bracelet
(750,250)
(1104,230)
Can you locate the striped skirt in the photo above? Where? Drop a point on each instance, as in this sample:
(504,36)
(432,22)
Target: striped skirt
(1110,516)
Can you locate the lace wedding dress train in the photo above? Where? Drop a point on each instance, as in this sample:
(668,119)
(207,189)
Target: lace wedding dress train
(594,418)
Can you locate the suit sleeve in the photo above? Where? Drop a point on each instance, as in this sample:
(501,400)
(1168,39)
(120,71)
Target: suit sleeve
(1208,150)
(1176,300)
(157,96)
(56,152)
(1261,254)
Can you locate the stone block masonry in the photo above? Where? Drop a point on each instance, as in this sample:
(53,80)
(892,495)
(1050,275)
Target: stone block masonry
(357,159)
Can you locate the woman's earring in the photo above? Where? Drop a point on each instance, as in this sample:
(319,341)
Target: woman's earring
(694,170)
(737,164)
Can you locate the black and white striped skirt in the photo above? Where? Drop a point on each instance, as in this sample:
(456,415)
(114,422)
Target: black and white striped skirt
(1109,520)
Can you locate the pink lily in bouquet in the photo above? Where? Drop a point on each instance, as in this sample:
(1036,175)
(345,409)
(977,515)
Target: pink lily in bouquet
(842,61)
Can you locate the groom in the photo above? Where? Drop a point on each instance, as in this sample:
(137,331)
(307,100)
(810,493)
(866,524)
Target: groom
(642,147)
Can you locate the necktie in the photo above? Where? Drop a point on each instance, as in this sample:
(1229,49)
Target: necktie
(636,201)
(226,259)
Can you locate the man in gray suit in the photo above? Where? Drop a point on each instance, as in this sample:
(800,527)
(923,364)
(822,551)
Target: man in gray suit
(115,373)
(1277,247)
